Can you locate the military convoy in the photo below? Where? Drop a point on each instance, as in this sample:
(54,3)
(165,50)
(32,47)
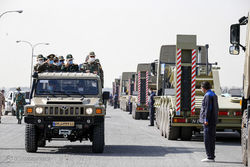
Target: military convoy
(65,105)
(245,103)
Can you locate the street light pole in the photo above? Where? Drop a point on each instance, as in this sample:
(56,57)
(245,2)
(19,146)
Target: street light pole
(32,55)
(11,11)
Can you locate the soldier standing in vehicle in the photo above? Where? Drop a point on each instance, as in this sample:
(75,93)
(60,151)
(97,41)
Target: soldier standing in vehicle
(20,102)
(2,103)
(209,118)
(61,62)
(40,61)
(70,66)
(151,107)
(48,65)
(92,65)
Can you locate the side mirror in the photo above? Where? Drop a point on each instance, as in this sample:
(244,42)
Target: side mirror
(105,95)
(234,49)
(235,34)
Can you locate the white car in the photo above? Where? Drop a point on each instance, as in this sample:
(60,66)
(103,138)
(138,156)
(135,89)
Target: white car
(9,108)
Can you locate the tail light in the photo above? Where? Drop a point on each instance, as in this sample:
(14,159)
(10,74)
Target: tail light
(179,120)
(223,113)
(139,108)
(237,113)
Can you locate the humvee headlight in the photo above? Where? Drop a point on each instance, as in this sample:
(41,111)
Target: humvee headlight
(39,110)
(89,111)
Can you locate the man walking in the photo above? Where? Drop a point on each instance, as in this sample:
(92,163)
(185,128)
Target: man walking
(209,118)
(20,102)
(2,103)
(151,107)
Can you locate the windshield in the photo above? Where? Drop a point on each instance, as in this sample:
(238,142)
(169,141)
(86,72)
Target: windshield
(67,87)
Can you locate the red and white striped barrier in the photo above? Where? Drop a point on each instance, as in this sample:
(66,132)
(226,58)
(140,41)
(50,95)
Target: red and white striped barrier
(147,88)
(193,82)
(178,83)
(139,87)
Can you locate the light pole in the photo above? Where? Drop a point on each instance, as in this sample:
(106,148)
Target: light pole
(11,11)
(32,55)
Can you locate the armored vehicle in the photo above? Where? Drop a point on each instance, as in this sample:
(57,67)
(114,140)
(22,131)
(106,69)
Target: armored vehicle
(182,68)
(65,105)
(245,103)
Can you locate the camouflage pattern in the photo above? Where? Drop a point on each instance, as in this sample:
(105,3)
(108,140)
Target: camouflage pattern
(20,102)
(94,67)
(45,67)
(70,68)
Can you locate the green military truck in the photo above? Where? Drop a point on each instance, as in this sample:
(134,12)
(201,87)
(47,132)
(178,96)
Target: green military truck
(126,89)
(245,103)
(182,68)
(65,105)
(145,78)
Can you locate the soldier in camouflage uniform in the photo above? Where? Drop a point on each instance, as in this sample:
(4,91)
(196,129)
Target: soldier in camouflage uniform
(60,63)
(92,66)
(48,65)
(20,102)
(69,66)
(40,61)
(2,103)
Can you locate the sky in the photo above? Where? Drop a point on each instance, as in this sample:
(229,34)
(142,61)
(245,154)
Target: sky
(121,33)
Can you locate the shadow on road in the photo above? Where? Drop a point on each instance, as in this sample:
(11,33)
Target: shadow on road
(119,150)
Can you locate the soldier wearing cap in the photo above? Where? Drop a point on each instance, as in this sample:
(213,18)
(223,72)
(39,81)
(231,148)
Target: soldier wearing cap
(70,66)
(60,62)
(2,103)
(20,102)
(48,65)
(40,61)
(92,65)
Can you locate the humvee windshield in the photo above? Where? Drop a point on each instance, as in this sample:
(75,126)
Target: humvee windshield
(67,87)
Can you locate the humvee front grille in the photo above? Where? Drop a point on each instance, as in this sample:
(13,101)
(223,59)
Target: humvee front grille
(66,111)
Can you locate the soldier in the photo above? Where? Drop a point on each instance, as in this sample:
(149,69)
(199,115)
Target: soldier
(40,61)
(60,62)
(70,66)
(20,102)
(48,65)
(151,107)
(93,66)
(2,103)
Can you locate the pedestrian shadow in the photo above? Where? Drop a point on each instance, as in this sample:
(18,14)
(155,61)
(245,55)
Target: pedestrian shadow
(119,150)
(228,162)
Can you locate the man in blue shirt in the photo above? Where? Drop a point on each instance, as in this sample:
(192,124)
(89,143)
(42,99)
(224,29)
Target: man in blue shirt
(151,107)
(209,118)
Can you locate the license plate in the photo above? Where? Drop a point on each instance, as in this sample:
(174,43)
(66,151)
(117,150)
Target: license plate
(63,123)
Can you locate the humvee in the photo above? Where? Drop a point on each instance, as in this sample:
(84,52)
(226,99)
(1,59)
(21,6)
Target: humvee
(65,105)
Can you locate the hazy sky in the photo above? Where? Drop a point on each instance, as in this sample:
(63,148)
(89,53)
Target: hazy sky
(122,33)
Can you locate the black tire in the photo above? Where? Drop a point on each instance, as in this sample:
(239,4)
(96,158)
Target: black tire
(186,133)
(5,112)
(144,115)
(244,138)
(41,143)
(98,138)
(137,115)
(173,133)
(30,138)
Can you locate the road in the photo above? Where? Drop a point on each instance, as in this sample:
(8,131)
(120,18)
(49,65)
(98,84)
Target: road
(129,143)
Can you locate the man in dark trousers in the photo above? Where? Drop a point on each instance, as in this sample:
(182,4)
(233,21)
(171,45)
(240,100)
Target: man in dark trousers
(151,107)
(209,118)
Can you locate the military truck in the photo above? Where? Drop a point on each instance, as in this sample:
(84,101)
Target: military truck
(65,105)
(182,68)
(116,93)
(145,78)
(126,89)
(245,103)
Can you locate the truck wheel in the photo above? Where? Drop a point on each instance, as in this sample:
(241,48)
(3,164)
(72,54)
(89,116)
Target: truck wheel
(30,138)
(5,112)
(186,133)
(172,133)
(41,143)
(144,115)
(98,138)
(244,138)
(137,115)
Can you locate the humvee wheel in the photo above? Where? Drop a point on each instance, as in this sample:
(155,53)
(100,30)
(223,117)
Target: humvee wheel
(98,138)
(30,138)
(186,133)
(41,143)
(244,138)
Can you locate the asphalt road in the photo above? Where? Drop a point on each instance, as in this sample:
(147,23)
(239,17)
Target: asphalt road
(129,143)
